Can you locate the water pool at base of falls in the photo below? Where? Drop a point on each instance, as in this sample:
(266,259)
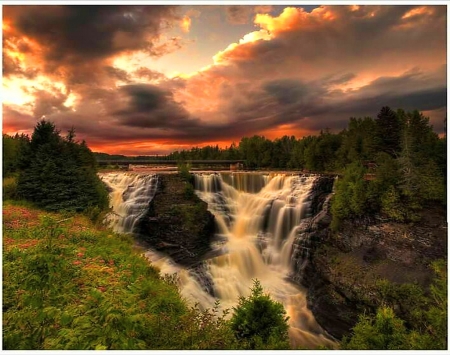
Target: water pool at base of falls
(257,217)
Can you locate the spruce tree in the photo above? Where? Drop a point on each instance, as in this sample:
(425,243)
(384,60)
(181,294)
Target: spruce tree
(58,173)
(388,131)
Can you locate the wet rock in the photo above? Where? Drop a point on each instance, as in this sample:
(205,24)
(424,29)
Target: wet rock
(177,224)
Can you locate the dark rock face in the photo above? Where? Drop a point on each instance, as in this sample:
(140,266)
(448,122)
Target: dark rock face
(177,223)
(341,270)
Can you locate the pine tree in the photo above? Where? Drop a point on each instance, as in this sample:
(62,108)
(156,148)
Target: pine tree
(388,131)
(59,173)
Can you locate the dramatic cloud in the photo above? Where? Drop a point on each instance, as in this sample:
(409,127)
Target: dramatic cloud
(297,73)
(73,41)
(307,56)
(150,106)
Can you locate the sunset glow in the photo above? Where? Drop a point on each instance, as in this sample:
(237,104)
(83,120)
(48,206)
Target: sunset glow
(143,80)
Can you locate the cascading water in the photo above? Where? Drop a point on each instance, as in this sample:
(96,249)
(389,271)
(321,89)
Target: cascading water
(258,217)
(130,195)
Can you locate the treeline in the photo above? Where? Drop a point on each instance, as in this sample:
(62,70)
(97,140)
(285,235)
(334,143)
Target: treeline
(362,140)
(394,164)
(54,172)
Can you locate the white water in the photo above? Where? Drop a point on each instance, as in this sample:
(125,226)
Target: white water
(129,198)
(257,216)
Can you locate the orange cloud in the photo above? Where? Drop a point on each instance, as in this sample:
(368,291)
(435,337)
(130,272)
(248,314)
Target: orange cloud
(418,11)
(185,23)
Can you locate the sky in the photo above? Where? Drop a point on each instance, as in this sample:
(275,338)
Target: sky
(144,80)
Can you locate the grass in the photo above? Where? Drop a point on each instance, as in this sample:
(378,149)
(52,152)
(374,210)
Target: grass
(70,285)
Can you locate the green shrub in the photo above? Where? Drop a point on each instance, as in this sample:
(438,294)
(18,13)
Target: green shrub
(59,174)
(184,172)
(10,188)
(258,322)
(382,332)
(424,326)
(189,191)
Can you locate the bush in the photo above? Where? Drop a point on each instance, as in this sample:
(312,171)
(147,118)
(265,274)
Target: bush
(425,315)
(258,322)
(184,172)
(350,199)
(189,191)
(383,332)
(10,188)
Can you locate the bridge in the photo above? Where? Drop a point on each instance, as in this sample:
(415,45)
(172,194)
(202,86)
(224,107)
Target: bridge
(235,164)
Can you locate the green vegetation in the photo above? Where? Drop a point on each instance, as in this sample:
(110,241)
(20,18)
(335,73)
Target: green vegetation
(425,326)
(68,285)
(259,322)
(13,148)
(55,173)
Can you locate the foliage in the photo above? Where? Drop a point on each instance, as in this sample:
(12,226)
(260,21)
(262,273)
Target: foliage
(350,197)
(10,188)
(184,171)
(388,131)
(13,147)
(425,318)
(382,332)
(58,173)
(189,191)
(258,322)
(69,286)
(392,205)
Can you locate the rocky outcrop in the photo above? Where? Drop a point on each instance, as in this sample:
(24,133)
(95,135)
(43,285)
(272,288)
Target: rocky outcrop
(177,222)
(342,271)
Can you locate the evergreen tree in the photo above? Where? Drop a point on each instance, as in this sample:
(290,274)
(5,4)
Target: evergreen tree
(58,173)
(388,131)
(259,322)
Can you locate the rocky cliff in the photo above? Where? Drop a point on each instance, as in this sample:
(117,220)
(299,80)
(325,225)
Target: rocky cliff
(342,271)
(177,222)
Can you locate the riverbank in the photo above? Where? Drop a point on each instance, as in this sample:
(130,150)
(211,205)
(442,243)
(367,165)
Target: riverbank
(70,285)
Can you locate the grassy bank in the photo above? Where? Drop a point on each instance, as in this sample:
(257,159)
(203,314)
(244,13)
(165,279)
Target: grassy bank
(69,285)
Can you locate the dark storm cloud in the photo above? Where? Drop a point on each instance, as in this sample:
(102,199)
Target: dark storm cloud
(287,91)
(75,43)
(423,100)
(81,33)
(314,104)
(152,107)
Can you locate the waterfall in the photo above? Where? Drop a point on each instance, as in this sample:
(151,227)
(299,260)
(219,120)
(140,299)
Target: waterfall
(258,217)
(130,195)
